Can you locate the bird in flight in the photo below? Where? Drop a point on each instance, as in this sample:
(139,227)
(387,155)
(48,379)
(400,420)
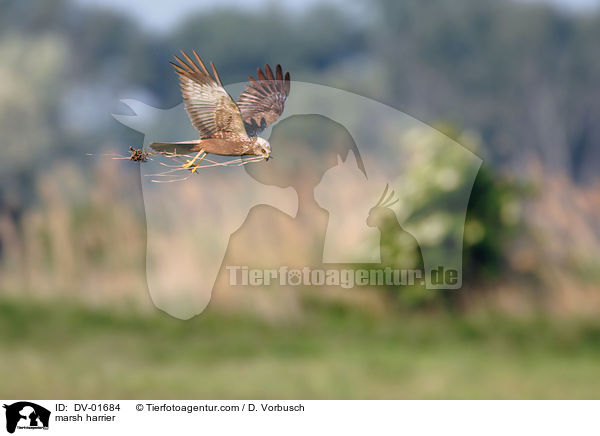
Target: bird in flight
(226,127)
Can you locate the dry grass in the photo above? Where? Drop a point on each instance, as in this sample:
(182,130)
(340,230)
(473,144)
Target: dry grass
(86,239)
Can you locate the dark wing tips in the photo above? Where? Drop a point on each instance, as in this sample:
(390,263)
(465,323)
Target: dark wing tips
(193,67)
(216,74)
(260,74)
(189,67)
(182,65)
(272,82)
(179,69)
(287,83)
(282,82)
(266,82)
(200,62)
(262,101)
(269,72)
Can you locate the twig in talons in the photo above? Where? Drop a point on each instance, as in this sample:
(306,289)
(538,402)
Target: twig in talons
(168,176)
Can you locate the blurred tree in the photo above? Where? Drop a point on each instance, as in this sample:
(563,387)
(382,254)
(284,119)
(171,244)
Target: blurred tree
(493,216)
(240,41)
(522,75)
(31,86)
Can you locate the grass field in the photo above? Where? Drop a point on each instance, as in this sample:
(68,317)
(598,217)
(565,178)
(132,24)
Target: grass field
(58,350)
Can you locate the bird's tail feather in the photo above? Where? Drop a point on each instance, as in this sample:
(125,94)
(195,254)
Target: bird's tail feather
(184,147)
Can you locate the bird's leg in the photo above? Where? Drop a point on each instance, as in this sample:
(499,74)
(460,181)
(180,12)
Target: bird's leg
(192,164)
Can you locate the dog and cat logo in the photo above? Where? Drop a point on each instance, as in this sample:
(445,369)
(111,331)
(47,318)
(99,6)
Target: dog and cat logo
(26,415)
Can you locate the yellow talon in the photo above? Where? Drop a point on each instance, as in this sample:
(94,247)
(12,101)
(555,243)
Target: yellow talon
(192,165)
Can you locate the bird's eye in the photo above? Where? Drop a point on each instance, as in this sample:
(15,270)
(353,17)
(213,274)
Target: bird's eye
(263,151)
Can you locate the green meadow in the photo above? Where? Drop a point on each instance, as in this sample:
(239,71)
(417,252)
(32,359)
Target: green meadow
(61,350)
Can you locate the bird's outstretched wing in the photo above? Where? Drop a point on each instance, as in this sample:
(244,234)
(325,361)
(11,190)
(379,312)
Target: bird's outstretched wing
(212,111)
(263,100)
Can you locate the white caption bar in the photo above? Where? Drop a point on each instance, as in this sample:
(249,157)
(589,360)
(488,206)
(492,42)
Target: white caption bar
(300,417)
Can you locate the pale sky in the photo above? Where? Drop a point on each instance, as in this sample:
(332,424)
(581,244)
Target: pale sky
(162,15)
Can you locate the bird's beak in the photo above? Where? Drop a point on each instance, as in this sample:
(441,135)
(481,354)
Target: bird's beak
(268,157)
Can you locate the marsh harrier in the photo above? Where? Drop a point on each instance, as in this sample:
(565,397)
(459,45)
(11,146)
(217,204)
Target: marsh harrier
(227,128)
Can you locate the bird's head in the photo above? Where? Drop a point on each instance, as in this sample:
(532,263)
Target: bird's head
(262,148)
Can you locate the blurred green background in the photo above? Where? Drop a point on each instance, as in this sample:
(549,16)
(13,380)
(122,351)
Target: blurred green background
(516,82)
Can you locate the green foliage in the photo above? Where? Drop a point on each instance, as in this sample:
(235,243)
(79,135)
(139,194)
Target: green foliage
(493,219)
(435,178)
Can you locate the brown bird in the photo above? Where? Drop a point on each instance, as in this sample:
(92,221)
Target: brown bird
(227,128)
